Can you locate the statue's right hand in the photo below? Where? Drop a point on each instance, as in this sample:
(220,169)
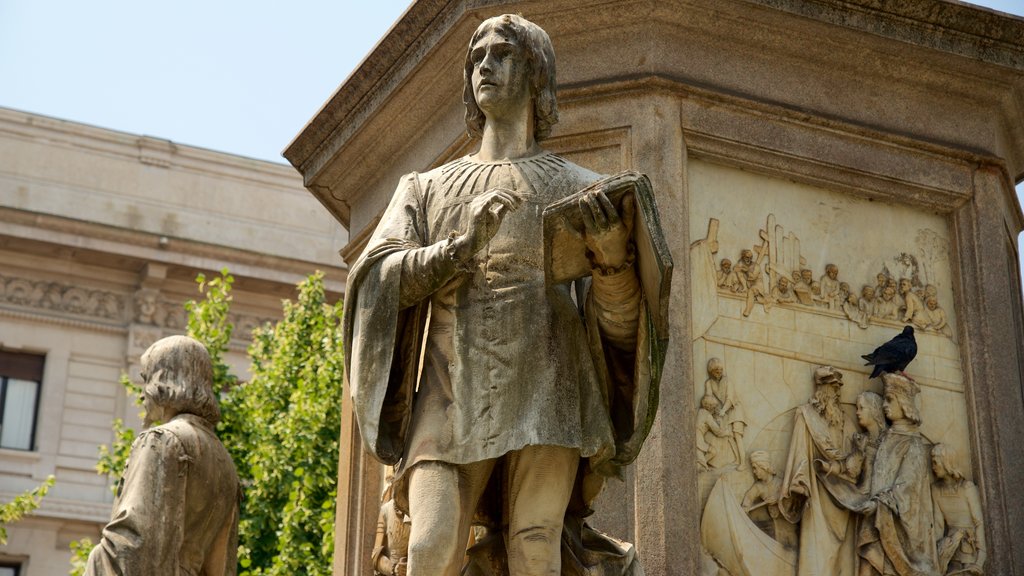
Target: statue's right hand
(486,213)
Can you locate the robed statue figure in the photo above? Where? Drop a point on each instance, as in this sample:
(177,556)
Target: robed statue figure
(503,399)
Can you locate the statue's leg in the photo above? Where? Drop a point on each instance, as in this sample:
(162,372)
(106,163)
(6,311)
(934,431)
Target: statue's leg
(442,498)
(540,483)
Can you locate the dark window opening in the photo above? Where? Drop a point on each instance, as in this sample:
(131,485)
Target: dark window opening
(20,378)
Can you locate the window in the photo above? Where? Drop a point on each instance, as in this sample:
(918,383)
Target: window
(20,375)
(10,569)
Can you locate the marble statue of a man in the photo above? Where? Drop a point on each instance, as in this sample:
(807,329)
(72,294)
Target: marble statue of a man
(176,510)
(516,398)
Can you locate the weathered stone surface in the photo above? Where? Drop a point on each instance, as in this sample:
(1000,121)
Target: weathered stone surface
(176,508)
(856,125)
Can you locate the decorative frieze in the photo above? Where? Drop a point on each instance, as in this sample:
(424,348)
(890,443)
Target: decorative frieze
(61,297)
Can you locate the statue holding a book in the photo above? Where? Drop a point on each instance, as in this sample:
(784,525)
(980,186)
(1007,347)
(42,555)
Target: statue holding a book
(505,332)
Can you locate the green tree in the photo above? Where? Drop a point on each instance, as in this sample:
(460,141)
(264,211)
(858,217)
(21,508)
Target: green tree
(24,503)
(281,428)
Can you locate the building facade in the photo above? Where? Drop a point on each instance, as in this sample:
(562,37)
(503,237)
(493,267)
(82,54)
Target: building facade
(102,235)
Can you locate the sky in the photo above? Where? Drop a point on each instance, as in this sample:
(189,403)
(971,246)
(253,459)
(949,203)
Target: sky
(238,76)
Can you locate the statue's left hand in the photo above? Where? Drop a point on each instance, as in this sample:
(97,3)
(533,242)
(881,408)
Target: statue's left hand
(607,232)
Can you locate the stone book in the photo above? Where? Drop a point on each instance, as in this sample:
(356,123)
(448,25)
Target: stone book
(565,252)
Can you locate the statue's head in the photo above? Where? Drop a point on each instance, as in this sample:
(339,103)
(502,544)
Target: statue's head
(716,368)
(535,48)
(761,465)
(177,379)
(709,402)
(944,463)
(900,398)
(869,410)
(827,382)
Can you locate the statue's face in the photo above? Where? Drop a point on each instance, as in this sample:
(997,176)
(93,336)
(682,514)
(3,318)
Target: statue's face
(716,372)
(932,304)
(892,408)
(904,286)
(868,293)
(863,413)
(880,279)
(833,272)
(760,472)
(499,75)
(726,266)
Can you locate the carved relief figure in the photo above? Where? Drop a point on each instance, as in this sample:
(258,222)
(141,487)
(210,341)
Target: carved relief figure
(854,310)
(730,412)
(765,493)
(881,281)
(911,301)
(176,509)
(867,303)
(932,317)
(147,306)
(844,292)
(899,536)
(959,524)
(893,299)
(811,496)
(830,286)
(749,273)
(858,464)
(887,307)
(802,287)
(708,421)
(516,386)
(727,278)
(390,556)
(781,292)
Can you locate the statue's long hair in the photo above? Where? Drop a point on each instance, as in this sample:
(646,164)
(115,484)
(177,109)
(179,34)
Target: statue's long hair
(540,64)
(179,376)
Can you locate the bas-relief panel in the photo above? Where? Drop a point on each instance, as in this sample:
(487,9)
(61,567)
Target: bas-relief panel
(764,329)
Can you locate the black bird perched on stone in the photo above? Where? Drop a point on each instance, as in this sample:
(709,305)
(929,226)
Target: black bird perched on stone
(894,355)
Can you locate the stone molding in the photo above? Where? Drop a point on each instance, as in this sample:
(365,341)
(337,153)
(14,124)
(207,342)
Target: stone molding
(62,298)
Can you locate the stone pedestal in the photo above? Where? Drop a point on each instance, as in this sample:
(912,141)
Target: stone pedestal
(875,137)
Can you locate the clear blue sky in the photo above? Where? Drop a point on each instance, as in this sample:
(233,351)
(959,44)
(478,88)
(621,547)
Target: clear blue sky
(230,75)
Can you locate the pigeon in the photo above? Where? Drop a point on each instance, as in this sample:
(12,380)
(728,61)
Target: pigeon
(894,355)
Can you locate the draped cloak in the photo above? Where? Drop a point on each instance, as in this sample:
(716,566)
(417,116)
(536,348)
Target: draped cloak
(463,365)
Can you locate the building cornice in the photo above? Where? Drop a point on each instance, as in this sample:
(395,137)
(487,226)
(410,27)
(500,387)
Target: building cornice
(984,35)
(143,247)
(147,150)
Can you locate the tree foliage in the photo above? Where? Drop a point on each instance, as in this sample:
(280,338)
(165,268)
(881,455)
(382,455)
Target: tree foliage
(281,428)
(24,503)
